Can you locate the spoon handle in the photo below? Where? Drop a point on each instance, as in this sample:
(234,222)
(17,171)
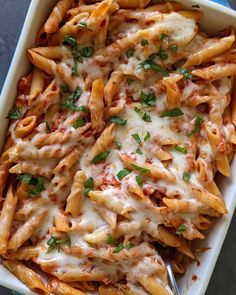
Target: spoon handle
(171,278)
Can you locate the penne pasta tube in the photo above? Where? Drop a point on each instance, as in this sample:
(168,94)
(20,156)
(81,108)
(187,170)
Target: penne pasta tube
(53,52)
(45,64)
(25,231)
(6,218)
(56,16)
(75,198)
(60,288)
(154,286)
(30,278)
(109,290)
(208,199)
(215,72)
(96,104)
(25,126)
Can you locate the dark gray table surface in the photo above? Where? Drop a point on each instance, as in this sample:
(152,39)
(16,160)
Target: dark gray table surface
(12,15)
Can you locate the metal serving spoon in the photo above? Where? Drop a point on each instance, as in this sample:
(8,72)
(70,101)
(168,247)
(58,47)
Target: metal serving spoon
(171,278)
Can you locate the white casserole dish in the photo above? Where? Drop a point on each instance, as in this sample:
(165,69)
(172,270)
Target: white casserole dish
(216,17)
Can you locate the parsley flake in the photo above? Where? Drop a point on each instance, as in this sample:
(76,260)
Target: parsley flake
(110,240)
(100,157)
(181,229)
(147,136)
(119,248)
(150,64)
(79,123)
(139,180)
(122,173)
(144,42)
(130,52)
(118,120)
(88,186)
(148,99)
(14,114)
(54,243)
(186,176)
(176,112)
(197,126)
(137,138)
(140,169)
(181,149)
(185,73)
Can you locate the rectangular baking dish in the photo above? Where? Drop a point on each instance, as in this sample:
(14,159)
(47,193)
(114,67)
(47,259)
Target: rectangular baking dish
(216,18)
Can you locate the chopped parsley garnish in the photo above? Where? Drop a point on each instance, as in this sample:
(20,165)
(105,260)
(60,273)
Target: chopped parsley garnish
(140,169)
(82,24)
(28,179)
(185,73)
(130,81)
(71,100)
(65,88)
(14,114)
(70,40)
(147,136)
(54,243)
(186,176)
(174,48)
(176,112)
(146,117)
(139,180)
(163,55)
(137,138)
(118,145)
(48,128)
(118,120)
(38,187)
(75,53)
(129,246)
(138,151)
(148,99)
(110,240)
(119,248)
(181,229)
(122,173)
(100,157)
(163,36)
(137,110)
(144,42)
(36,182)
(88,186)
(181,149)
(87,51)
(79,123)
(130,52)
(197,126)
(150,64)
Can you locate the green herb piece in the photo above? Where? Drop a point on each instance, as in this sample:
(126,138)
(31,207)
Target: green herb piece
(14,114)
(163,36)
(181,149)
(65,88)
(130,52)
(110,240)
(39,187)
(54,243)
(196,6)
(82,24)
(48,128)
(174,48)
(197,126)
(139,180)
(130,81)
(87,51)
(146,117)
(71,100)
(129,246)
(118,120)
(185,73)
(122,173)
(81,109)
(144,42)
(28,179)
(163,55)
(79,123)
(70,40)
(138,151)
(100,157)
(181,229)
(140,169)
(75,53)
(147,136)
(119,248)
(137,138)
(148,99)
(150,64)
(137,110)
(186,176)
(88,186)
(176,112)
(118,145)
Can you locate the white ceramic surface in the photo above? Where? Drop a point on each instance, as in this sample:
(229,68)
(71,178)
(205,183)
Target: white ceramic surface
(216,18)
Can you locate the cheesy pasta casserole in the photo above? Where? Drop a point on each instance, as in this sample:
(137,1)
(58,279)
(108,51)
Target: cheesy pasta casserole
(113,144)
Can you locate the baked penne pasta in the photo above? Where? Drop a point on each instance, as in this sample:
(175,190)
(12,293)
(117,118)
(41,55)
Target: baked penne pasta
(112,148)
